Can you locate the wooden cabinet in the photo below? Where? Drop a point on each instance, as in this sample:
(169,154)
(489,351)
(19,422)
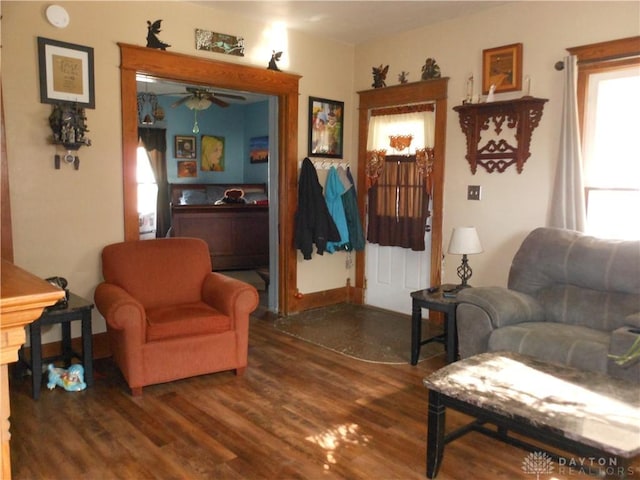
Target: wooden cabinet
(237,235)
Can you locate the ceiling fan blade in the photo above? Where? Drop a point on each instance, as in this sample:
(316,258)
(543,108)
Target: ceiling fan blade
(217,101)
(229,95)
(180,102)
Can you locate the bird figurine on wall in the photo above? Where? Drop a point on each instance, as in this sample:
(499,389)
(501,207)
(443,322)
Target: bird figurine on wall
(153,29)
(275,57)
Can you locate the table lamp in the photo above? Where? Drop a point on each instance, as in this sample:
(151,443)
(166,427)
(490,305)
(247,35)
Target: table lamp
(464,241)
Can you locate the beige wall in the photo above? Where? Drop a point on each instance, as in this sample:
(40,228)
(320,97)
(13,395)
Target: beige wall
(63,218)
(512,204)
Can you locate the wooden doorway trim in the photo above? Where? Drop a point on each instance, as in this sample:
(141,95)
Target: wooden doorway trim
(409,93)
(176,66)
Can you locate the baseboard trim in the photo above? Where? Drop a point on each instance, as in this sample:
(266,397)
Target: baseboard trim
(323,298)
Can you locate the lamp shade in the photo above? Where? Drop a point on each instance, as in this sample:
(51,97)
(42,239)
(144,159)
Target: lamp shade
(465,241)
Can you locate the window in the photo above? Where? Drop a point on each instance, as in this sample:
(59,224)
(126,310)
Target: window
(399,195)
(609,99)
(147,194)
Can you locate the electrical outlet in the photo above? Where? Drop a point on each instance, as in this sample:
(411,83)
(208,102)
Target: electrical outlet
(474,192)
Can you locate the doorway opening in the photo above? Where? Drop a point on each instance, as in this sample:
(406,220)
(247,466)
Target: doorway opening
(199,71)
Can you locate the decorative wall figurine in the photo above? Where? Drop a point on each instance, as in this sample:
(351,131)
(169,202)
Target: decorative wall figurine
(153,41)
(379,76)
(69,125)
(71,379)
(430,69)
(492,94)
(469,90)
(275,57)
(402,77)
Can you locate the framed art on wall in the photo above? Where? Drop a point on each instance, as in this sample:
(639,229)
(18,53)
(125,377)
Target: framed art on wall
(185,146)
(187,168)
(326,120)
(502,67)
(259,149)
(66,73)
(212,156)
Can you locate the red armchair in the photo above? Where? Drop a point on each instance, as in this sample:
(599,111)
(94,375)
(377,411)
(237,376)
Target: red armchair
(168,315)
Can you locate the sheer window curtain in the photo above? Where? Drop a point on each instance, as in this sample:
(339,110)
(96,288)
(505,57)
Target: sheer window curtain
(568,202)
(155,142)
(398,198)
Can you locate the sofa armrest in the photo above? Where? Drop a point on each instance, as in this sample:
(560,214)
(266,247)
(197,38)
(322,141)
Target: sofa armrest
(483,309)
(120,310)
(503,306)
(230,296)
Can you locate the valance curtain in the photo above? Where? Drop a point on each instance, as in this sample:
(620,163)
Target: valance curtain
(400,147)
(568,203)
(155,142)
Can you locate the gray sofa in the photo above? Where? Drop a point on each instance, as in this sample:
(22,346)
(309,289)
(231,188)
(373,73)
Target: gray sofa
(571,299)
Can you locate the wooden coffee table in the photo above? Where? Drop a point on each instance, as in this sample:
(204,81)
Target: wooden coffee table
(588,414)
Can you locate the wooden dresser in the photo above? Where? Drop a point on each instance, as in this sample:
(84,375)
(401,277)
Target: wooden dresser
(23,298)
(237,235)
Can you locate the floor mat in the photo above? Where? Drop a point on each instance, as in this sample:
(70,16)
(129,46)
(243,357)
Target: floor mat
(361,332)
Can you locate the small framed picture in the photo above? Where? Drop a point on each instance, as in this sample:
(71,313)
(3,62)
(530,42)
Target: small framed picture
(326,121)
(187,168)
(185,146)
(259,149)
(66,73)
(502,67)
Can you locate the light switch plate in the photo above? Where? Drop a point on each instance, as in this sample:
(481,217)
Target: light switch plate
(474,192)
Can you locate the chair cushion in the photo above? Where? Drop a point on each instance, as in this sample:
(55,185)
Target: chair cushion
(185,320)
(572,345)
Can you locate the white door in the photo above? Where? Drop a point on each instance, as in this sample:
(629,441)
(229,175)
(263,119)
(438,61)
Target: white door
(392,273)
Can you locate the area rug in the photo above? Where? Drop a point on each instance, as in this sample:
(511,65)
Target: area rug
(361,332)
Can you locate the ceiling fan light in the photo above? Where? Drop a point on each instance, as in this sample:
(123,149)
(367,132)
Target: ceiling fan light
(195,103)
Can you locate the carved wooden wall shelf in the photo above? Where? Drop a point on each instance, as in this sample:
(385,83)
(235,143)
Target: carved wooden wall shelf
(520,117)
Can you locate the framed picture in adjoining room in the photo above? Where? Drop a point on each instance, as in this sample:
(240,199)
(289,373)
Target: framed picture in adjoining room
(502,67)
(187,168)
(66,73)
(326,121)
(259,149)
(212,153)
(185,146)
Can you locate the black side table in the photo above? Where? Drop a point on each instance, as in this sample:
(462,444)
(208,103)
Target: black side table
(434,301)
(77,309)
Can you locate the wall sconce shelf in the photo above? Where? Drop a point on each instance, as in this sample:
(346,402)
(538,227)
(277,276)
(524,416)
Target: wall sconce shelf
(519,117)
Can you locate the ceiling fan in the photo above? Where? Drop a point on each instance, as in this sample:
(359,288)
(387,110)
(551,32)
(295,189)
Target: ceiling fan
(201,98)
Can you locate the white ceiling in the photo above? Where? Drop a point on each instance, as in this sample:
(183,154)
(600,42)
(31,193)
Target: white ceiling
(354,21)
(351,22)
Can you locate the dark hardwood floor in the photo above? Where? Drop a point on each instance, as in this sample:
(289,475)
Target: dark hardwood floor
(299,412)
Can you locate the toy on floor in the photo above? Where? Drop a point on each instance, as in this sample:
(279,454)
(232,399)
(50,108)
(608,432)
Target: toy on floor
(71,379)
